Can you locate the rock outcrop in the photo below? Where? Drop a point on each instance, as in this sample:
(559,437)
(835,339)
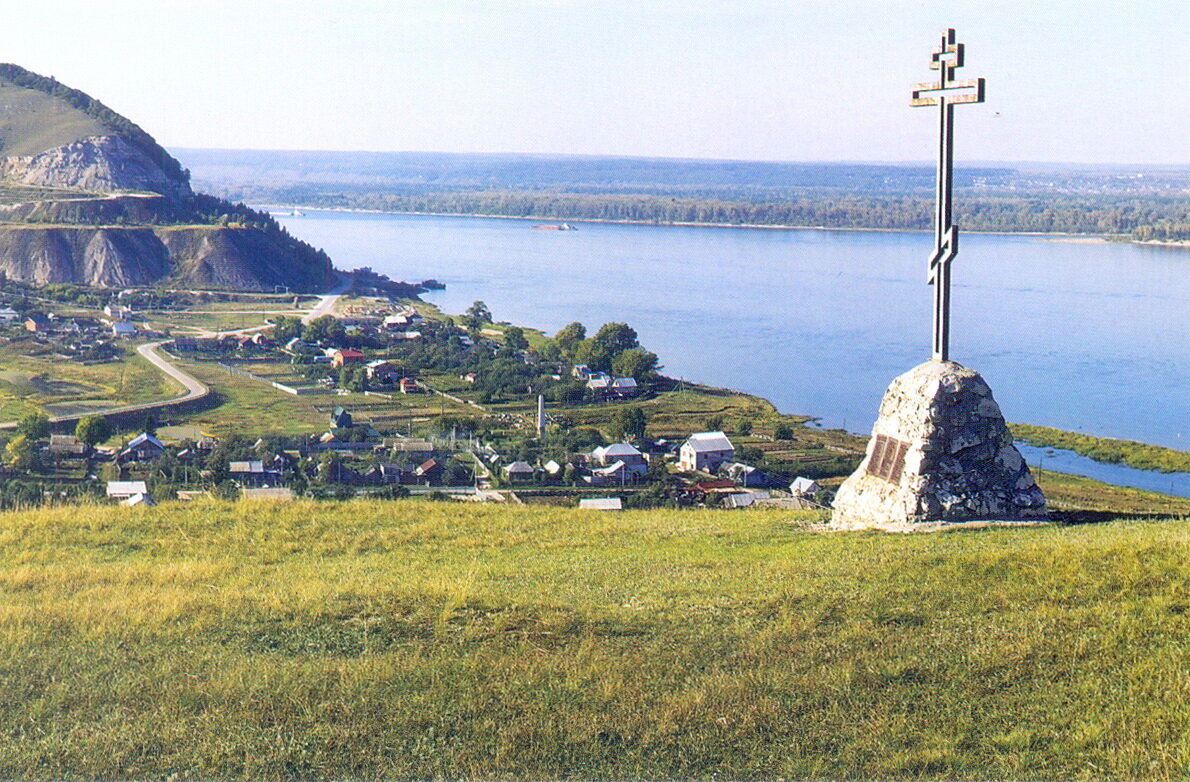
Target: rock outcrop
(207,257)
(940,452)
(98,164)
(88,197)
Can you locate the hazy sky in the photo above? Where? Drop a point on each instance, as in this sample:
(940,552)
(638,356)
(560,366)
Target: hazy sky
(1098,81)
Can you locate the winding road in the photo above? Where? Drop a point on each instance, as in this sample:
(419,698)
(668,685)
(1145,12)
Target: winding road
(195,388)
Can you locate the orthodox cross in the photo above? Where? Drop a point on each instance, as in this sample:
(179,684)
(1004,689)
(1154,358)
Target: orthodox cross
(945,93)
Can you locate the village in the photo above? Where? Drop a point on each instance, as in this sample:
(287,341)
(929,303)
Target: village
(396,400)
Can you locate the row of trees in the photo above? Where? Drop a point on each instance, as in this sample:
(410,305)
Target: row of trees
(1069,212)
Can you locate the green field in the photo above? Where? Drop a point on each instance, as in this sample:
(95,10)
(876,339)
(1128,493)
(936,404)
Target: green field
(29,383)
(419,640)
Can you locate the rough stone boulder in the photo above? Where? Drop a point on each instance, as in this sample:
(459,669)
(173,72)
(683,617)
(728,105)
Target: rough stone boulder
(940,452)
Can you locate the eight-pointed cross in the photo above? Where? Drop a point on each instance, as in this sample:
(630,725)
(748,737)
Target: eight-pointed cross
(945,93)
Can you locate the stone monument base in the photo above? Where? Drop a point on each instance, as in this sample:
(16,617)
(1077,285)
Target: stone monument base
(940,452)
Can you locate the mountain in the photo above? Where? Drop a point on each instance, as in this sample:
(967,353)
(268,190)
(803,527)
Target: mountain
(88,197)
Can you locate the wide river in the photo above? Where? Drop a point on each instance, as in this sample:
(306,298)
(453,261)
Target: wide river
(1081,335)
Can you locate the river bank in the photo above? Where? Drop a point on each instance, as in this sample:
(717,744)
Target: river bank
(1056,235)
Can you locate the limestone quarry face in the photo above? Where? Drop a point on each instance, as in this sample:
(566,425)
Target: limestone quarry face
(940,452)
(97,164)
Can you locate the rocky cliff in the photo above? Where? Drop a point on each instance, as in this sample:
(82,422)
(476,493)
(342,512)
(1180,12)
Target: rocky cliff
(96,163)
(88,197)
(206,257)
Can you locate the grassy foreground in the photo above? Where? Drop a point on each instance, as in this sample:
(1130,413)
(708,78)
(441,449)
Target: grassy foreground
(399,640)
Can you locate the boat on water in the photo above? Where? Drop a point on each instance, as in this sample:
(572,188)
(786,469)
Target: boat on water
(554,227)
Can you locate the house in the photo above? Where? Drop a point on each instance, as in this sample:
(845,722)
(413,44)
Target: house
(601,503)
(37,323)
(8,315)
(117,311)
(123,329)
(519,471)
(744,499)
(410,386)
(743,474)
(470,377)
(345,356)
(623,388)
(122,490)
(705,451)
(413,450)
(615,474)
(387,473)
(429,471)
(553,469)
(340,418)
(581,371)
(382,371)
(632,459)
(67,445)
(142,448)
(803,487)
(252,473)
(599,382)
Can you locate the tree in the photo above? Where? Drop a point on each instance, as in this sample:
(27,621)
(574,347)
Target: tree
(629,422)
(326,328)
(477,315)
(569,337)
(783,432)
(636,363)
(34,426)
(19,454)
(609,342)
(93,429)
(286,328)
(715,423)
(615,338)
(514,338)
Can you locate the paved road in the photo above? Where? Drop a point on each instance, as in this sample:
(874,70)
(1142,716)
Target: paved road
(195,389)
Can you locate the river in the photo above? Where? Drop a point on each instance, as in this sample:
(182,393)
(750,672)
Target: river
(1087,336)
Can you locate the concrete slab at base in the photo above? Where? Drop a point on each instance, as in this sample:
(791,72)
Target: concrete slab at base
(940,452)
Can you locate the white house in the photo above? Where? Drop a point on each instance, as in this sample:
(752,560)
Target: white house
(633,459)
(803,487)
(599,381)
(9,315)
(705,451)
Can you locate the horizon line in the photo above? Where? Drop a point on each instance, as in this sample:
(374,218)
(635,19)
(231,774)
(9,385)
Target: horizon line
(687,159)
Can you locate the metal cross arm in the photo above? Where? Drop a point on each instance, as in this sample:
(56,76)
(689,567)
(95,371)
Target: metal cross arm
(945,93)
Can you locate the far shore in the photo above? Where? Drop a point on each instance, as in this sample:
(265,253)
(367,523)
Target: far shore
(1054,235)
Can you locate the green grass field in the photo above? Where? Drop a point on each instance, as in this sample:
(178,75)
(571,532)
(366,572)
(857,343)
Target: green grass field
(432,640)
(29,384)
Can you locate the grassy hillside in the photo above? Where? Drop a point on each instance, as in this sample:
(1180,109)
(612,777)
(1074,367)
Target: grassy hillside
(434,640)
(33,121)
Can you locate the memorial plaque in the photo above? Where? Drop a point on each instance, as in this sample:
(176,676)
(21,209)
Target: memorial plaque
(888,458)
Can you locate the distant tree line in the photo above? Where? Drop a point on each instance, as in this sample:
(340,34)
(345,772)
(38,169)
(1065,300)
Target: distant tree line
(1123,214)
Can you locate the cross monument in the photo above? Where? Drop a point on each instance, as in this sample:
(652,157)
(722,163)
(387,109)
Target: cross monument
(945,93)
(940,451)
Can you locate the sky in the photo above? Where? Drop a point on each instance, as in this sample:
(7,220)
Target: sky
(1092,81)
